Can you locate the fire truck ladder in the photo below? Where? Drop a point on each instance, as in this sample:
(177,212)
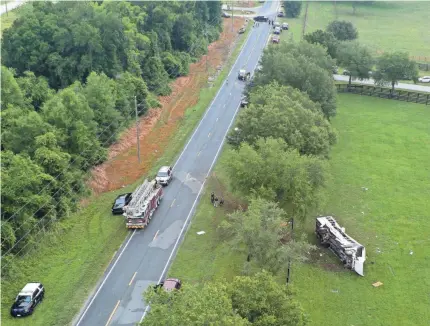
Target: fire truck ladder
(140,195)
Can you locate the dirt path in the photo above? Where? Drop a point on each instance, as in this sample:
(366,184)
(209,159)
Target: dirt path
(158,126)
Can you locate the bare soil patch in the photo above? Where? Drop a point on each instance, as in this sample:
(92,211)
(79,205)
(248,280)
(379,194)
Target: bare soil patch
(158,126)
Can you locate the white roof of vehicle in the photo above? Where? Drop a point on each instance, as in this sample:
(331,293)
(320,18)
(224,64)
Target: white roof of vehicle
(29,288)
(164,169)
(242,71)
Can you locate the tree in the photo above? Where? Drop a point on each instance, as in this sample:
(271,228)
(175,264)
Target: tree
(302,73)
(292,8)
(208,304)
(325,39)
(356,59)
(11,94)
(272,171)
(283,112)
(35,89)
(246,300)
(392,67)
(263,234)
(263,301)
(342,30)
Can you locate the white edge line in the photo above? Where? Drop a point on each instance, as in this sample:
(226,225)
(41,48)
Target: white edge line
(106,277)
(211,104)
(192,207)
(183,151)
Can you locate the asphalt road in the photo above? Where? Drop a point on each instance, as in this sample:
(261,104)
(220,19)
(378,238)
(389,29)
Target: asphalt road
(146,254)
(412,87)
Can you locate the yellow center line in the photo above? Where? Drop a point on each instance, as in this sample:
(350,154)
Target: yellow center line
(134,275)
(155,236)
(171,205)
(113,313)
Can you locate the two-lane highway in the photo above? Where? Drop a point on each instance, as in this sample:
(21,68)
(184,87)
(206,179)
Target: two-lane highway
(146,255)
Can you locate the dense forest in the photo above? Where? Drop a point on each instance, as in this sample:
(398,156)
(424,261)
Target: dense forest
(70,74)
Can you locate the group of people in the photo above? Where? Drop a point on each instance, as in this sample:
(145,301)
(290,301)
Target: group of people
(271,22)
(215,201)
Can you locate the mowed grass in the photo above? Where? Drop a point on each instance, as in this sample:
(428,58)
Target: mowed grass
(382,26)
(384,145)
(70,263)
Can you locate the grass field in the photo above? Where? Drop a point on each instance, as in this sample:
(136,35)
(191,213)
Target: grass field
(70,263)
(384,145)
(382,26)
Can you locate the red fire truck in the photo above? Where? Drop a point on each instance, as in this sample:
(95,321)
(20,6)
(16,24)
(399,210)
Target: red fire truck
(146,199)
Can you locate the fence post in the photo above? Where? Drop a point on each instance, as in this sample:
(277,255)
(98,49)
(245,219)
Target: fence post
(408,97)
(427,102)
(418,96)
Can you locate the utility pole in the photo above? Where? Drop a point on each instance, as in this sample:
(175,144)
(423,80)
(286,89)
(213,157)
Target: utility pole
(7,14)
(137,130)
(305,19)
(207,54)
(232,15)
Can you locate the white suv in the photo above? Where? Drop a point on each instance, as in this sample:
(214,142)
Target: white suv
(424,79)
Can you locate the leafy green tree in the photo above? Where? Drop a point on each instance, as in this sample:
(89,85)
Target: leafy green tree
(272,171)
(100,93)
(11,94)
(76,130)
(263,301)
(356,59)
(263,234)
(392,67)
(302,73)
(283,112)
(20,127)
(156,77)
(292,8)
(35,89)
(208,304)
(325,39)
(342,30)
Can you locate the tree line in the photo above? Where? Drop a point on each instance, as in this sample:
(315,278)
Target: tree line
(71,74)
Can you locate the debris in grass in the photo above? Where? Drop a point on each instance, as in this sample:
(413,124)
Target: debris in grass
(362,213)
(411,252)
(377,284)
(391,270)
(378,250)
(201,232)
(335,291)
(364,188)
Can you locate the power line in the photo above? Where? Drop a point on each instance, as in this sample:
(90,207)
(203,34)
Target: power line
(57,202)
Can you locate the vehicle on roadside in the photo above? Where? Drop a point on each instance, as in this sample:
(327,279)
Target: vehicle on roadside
(146,199)
(169,285)
(226,14)
(261,18)
(120,202)
(285,26)
(164,175)
(276,24)
(424,79)
(241,30)
(244,102)
(243,75)
(275,39)
(281,14)
(277,31)
(27,299)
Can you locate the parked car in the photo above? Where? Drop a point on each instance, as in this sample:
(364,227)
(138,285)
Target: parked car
(275,39)
(276,24)
(164,175)
(281,14)
(277,30)
(241,30)
(261,18)
(285,26)
(120,202)
(226,14)
(424,79)
(244,102)
(27,299)
(169,285)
